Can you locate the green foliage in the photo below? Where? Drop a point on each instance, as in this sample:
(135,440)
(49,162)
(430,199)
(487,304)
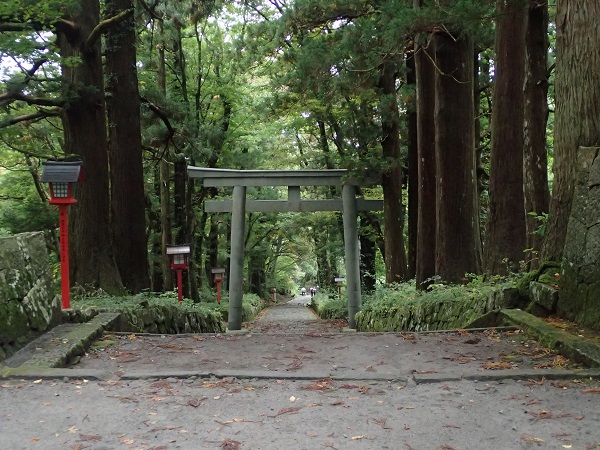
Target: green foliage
(252,304)
(328,306)
(386,300)
(542,220)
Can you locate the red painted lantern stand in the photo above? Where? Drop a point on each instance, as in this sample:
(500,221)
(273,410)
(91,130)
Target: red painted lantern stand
(63,221)
(61,175)
(179,263)
(218,276)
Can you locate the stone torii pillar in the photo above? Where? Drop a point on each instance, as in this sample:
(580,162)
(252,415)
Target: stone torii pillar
(236,269)
(352,257)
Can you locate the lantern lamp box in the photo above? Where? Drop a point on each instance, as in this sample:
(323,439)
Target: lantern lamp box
(179,254)
(61,175)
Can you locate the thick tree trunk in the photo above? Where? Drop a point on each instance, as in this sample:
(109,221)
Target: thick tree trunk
(165,221)
(367,257)
(179,210)
(84,122)
(458,242)
(212,250)
(257,274)
(413,172)
(535,167)
(154,215)
(128,221)
(427,193)
(505,227)
(577,112)
(164,171)
(392,179)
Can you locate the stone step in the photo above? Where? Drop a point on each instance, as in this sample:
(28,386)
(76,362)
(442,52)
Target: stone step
(58,346)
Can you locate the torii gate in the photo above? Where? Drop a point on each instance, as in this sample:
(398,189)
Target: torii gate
(293,179)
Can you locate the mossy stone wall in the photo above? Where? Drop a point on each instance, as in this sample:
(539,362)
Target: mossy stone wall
(28,302)
(437,315)
(579,294)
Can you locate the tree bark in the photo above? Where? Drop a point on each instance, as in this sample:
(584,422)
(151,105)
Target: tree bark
(426,172)
(535,167)
(164,171)
(413,171)
(128,220)
(367,256)
(505,227)
(577,112)
(458,242)
(392,179)
(84,123)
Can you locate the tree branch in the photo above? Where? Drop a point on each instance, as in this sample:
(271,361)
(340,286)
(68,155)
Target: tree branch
(10,97)
(41,114)
(162,116)
(105,25)
(65,26)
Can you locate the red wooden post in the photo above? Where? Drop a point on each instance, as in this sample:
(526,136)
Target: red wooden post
(219,291)
(63,221)
(179,283)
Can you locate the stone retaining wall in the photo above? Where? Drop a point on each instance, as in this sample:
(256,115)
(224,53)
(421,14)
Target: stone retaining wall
(439,315)
(28,302)
(579,295)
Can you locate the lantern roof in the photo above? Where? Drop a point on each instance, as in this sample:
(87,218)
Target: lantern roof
(217,270)
(178,249)
(61,171)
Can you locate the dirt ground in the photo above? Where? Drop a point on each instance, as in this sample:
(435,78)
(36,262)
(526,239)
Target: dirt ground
(368,394)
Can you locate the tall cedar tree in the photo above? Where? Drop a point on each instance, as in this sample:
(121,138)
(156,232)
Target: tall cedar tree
(427,196)
(392,180)
(128,222)
(505,228)
(84,123)
(458,242)
(535,167)
(577,113)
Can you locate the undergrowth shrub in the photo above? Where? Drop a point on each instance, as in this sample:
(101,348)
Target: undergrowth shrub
(329,306)
(156,313)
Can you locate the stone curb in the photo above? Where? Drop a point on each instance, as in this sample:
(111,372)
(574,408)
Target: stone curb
(429,378)
(573,347)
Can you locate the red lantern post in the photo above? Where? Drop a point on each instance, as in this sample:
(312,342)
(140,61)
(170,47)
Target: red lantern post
(179,254)
(218,276)
(61,175)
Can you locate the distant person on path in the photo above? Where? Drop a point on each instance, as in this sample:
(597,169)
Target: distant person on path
(313,291)
(303,291)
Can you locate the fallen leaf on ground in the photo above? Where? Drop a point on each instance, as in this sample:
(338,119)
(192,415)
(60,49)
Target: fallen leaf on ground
(288,410)
(354,438)
(531,439)
(294,365)
(496,365)
(195,402)
(591,391)
(90,437)
(304,350)
(230,444)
